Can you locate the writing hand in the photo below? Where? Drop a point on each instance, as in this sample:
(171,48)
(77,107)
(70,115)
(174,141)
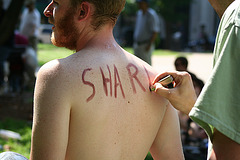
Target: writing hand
(182,96)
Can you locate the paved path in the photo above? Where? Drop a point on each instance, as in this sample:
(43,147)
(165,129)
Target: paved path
(199,64)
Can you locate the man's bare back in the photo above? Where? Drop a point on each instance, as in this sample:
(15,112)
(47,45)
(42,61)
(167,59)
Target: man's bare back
(119,116)
(112,113)
(96,103)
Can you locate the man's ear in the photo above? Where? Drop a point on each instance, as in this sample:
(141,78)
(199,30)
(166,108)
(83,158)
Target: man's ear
(84,11)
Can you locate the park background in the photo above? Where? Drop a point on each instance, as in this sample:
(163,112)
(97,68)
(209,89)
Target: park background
(181,21)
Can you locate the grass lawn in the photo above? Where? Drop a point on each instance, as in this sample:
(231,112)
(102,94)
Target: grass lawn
(20,146)
(46,53)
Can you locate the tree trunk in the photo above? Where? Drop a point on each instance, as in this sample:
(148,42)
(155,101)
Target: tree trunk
(10,20)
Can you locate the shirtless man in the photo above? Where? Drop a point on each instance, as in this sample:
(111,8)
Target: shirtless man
(96,103)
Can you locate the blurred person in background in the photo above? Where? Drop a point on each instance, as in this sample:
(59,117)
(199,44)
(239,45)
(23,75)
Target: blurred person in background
(30,23)
(146,30)
(181,64)
(192,134)
(2,58)
(5,48)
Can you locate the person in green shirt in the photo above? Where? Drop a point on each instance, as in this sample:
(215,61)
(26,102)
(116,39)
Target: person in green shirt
(217,109)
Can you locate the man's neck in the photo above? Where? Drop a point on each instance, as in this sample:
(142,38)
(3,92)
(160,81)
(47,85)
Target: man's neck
(97,39)
(220,6)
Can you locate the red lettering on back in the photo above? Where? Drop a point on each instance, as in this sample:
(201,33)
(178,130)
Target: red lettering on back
(149,80)
(89,84)
(117,82)
(134,76)
(107,80)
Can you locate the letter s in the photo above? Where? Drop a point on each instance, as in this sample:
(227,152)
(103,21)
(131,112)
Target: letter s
(88,83)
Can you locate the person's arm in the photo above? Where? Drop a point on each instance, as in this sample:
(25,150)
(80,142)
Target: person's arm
(167,144)
(182,96)
(220,6)
(51,114)
(224,147)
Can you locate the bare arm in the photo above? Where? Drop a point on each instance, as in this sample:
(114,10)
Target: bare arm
(220,6)
(224,147)
(167,144)
(51,115)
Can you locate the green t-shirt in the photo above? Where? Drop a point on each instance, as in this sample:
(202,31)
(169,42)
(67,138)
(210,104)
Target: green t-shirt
(218,106)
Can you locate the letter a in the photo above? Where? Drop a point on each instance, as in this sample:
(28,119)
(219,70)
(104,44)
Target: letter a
(117,78)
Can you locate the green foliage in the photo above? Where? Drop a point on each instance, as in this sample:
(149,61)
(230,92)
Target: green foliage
(23,145)
(130,8)
(171,10)
(174,10)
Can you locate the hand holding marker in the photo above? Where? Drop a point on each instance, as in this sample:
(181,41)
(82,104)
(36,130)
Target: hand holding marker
(165,82)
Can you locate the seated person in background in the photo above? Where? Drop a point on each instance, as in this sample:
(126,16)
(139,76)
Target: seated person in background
(198,85)
(188,128)
(195,134)
(181,64)
(96,103)
(203,38)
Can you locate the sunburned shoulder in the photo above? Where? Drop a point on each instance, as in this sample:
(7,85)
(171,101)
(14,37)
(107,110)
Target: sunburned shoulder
(49,67)
(52,69)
